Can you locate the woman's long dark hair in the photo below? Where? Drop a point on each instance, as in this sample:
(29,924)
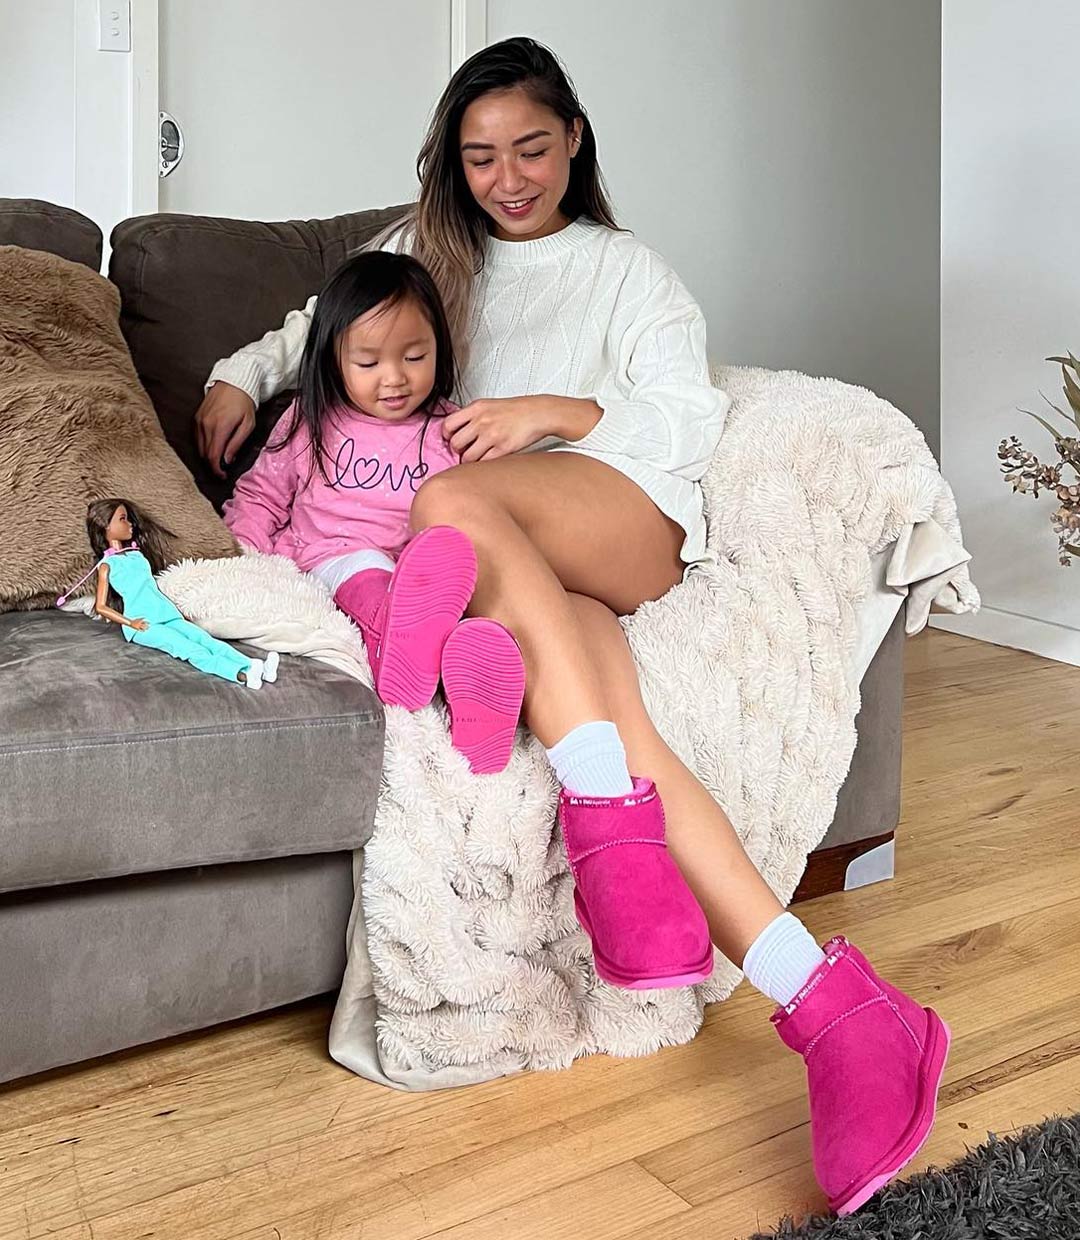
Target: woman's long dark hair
(358,286)
(152,538)
(449,230)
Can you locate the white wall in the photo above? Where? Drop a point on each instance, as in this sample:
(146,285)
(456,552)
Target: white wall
(72,116)
(299,111)
(37,100)
(784,156)
(1010,295)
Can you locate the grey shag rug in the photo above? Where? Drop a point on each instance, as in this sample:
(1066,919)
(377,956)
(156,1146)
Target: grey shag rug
(1023,1187)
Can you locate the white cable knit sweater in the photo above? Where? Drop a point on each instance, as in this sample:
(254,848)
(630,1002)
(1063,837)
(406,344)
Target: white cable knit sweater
(586,312)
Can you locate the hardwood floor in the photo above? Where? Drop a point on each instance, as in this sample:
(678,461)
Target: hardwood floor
(252,1133)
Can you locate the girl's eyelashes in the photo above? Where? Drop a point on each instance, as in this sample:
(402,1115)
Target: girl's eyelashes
(371,365)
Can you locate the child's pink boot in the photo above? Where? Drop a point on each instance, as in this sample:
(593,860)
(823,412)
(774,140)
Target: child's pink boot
(363,599)
(647,930)
(423,598)
(484,681)
(874,1061)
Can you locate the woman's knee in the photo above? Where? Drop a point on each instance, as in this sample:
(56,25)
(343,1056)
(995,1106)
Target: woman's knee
(598,621)
(452,498)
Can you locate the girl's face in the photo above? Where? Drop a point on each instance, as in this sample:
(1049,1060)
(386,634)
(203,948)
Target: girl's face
(119,527)
(517,162)
(387,360)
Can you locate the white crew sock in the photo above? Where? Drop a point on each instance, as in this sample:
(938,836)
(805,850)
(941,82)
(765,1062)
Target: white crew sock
(591,761)
(253,676)
(782,958)
(270,666)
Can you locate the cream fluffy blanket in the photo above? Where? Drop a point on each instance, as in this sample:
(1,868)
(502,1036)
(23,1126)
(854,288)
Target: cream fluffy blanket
(465,960)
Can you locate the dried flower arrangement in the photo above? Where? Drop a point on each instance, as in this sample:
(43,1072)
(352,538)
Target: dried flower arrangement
(1029,475)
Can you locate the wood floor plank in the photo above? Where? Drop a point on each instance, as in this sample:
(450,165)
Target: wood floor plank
(612,1203)
(962,1124)
(1006,1028)
(251,1132)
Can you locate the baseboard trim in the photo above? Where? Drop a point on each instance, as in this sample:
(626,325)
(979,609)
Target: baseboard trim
(1007,628)
(827,869)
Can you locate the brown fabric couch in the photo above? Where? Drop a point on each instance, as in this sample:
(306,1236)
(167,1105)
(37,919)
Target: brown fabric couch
(175,851)
(170,863)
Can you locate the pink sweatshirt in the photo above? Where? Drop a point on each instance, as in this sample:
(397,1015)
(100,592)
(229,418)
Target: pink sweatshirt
(375,468)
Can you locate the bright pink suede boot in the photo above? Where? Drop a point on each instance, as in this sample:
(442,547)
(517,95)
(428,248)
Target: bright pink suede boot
(874,1061)
(363,599)
(483,678)
(647,929)
(429,589)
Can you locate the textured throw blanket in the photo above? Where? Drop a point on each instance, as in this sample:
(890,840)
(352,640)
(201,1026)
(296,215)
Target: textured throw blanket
(465,960)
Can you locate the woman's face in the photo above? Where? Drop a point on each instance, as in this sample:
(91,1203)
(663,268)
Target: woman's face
(517,156)
(119,527)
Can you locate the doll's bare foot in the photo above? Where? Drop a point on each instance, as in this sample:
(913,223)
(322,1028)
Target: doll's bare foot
(253,677)
(270,667)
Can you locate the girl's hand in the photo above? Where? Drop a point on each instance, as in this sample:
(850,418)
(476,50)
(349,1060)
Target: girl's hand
(141,625)
(223,422)
(488,429)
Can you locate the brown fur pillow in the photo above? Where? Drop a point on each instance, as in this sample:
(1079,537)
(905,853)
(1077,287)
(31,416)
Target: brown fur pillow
(76,425)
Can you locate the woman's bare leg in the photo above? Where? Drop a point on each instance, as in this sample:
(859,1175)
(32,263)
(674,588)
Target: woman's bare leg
(522,580)
(552,532)
(736,900)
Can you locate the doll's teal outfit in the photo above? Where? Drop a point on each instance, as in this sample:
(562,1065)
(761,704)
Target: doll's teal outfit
(131,577)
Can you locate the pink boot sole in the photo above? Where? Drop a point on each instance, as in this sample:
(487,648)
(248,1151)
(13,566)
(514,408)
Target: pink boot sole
(932,1070)
(484,681)
(614,976)
(431,586)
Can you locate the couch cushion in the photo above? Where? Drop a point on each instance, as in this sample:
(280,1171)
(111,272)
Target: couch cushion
(37,225)
(194,289)
(115,759)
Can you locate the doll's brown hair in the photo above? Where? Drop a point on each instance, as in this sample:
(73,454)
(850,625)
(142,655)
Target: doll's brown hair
(152,538)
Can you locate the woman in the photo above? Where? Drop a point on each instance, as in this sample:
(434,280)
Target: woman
(579,340)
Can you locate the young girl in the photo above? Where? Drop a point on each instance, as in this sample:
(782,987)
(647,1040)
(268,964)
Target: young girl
(130,551)
(333,488)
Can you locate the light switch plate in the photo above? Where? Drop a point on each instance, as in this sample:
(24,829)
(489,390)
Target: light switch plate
(114,25)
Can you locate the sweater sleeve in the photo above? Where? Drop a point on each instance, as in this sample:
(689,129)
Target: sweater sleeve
(658,404)
(262,502)
(272,364)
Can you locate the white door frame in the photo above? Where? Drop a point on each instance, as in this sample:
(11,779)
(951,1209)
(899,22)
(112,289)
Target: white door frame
(468,30)
(115,122)
(145,148)
(117,99)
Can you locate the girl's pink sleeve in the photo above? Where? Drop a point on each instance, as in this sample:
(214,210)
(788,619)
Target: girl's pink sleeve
(262,502)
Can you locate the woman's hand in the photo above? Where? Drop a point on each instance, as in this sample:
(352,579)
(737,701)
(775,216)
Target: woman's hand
(223,422)
(141,625)
(488,429)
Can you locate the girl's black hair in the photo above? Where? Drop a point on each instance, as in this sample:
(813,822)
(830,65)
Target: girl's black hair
(152,538)
(363,282)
